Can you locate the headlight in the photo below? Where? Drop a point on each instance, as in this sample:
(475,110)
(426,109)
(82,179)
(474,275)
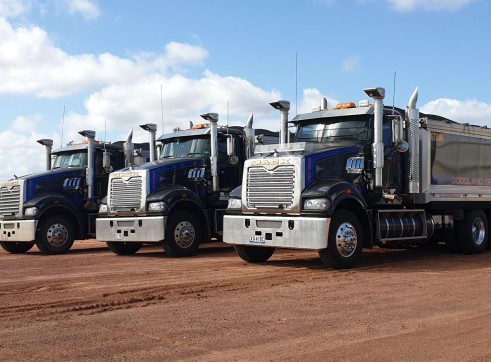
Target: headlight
(157,206)
(234,204)
(31,211)
(103,209)
(317,204)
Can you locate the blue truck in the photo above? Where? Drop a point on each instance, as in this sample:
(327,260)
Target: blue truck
(53,208)
(360,176)
(179,200)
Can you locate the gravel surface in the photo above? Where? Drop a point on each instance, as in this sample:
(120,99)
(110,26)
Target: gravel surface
(418,304)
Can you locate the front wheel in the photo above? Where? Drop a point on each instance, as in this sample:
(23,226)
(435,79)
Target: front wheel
(55,235)
(254,254)
(345,241)
(183,234)
(473,232)
(16,248)
(124,248)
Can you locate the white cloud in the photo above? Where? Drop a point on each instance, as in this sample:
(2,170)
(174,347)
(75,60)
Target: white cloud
(32,64)
(20,154)
(125,106)
(351,64)
(312,98)
(428,5)
(14,8)
(88,9)
(468,111)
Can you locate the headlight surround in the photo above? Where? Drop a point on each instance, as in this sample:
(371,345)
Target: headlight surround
(234,204)
(157,206)
(320,204)
(103,209)
(31,211)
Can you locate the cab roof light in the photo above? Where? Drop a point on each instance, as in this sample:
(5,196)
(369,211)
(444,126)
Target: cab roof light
(345,105)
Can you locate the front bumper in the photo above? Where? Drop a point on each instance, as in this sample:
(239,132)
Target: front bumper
(18,230)
(131,229)
(308,233)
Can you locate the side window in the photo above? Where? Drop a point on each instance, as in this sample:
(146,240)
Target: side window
(222,148)
(387,134)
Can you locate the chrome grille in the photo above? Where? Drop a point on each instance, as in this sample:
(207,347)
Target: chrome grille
(9,200)
(126,195)
(270,189)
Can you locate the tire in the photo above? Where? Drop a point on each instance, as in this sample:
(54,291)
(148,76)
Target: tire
(55,235)
(124,248)
(16,248)
(345,241)
(254,254)
(182,235)
(473,232)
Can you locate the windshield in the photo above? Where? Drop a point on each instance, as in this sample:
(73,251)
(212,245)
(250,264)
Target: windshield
(335,130)
(186,147)
(67,160)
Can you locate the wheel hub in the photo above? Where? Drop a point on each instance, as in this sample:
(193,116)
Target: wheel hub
(346,239)
(478,231)
(57,235)
(184,234)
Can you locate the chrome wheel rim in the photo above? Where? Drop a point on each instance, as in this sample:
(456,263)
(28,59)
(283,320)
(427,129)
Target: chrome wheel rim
(346,240)
(478,231)
(184,234)
(57,235)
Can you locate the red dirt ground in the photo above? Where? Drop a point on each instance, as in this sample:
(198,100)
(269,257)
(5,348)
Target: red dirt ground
(417,304)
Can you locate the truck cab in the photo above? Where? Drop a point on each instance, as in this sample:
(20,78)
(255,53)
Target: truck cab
(180,199)
(53,208)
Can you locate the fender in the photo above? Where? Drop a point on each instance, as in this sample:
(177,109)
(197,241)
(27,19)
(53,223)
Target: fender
(336,190)
(175,194)
(47,202)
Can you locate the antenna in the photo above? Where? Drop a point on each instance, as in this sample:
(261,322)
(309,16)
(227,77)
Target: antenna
(394,94)
(105,133)
(162,107)
(62,126)
(296,83)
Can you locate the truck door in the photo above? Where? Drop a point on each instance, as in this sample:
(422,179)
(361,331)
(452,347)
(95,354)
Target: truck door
(229,168)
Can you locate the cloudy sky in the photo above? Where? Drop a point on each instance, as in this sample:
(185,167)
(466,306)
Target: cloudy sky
(109,66)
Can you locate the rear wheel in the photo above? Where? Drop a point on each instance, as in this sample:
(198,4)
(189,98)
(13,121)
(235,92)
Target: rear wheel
(473,232)
(254,254)
(16,248)
(55,235)
(124,248)
(183,234)
(345,241)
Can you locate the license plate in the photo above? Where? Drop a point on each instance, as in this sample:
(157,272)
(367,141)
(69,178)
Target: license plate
(118,236)
(257,239)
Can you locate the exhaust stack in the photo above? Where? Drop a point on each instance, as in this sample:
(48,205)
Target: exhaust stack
(412,115)
(213,119)
(378,95)
(129,150)
(283,107)
(152,129)
(48,143)
(90,163)
(249,137)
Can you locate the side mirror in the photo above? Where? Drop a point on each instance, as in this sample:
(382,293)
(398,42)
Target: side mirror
(106,162)
(402,146)
(230,145)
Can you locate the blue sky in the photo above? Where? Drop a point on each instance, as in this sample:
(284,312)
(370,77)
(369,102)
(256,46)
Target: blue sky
(94,64)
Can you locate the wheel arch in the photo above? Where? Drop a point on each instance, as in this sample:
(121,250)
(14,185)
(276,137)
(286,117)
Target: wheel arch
(64,211)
